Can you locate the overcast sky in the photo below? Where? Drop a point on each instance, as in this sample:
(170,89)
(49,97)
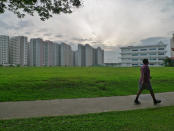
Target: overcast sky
(106,23)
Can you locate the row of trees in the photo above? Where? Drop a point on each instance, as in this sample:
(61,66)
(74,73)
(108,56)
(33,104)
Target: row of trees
(169,62)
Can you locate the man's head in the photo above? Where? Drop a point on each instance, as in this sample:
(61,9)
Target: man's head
(145,61)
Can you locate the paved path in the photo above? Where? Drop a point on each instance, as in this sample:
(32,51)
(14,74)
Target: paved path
(26,109)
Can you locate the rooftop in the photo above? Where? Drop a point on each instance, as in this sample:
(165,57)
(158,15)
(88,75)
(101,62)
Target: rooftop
(139,46)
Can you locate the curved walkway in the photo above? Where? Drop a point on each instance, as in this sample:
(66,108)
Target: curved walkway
(41,108)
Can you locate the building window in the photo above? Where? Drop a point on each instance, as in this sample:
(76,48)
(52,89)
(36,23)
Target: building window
(152,53)
(135,50)
(160,48)
(152,58)
(134,54)
(160,53)
(152,49)
(134,59)
(143,49)
(160,59)
(143,54)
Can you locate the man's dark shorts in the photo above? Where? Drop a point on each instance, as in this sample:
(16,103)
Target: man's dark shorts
(146,86)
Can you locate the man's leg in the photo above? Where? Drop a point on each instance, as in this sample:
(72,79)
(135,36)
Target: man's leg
(155,101)
(138,94)
(153,95)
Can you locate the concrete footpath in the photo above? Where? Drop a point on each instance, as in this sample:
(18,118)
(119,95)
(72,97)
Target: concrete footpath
(41,108)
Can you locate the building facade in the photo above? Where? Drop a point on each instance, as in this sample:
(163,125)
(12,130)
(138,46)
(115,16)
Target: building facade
(172,46)
(18,50)
(80,55)
(4,50)
(36,52)
(66,55)
(89,55)
(100,56)
(133,55)
(86,56)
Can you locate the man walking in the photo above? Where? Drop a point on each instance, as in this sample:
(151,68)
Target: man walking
(144,82)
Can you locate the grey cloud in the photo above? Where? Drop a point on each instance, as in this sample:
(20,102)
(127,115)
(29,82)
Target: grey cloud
(42,30)
(81,39)
(4,25)
(48,34)
(24,24)
(59,36)
(18,26)
(27,33)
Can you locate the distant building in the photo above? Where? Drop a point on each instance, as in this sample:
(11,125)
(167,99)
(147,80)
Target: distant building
(18,50)
(4,50)
(66,55)
(100,56)
(36,49)
(49,52)
(133,55)
(86,55)
(57,54)
(81,55)
(172,46)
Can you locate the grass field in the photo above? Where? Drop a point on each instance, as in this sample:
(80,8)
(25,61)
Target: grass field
(32,83)
(157,119)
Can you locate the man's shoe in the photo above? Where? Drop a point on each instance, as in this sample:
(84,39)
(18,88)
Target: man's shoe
(157,102)
(137,102)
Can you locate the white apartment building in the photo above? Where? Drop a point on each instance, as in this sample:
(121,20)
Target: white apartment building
(57,54)
(80,55)
(133,55)
(100,56)
(172,46)
(66,55)
(86,55)
(49,52)
(4,50)
(36,56)
(18,50)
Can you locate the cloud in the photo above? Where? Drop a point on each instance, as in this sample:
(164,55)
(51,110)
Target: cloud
(48,34)
(24,24)
(59,36)
(106,23)
(81,39)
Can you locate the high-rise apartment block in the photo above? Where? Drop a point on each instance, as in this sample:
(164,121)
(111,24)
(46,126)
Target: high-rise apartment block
(172,46)
(36,56)
(133,55)
(4,50)
(66,54)
(88,56)
(100,56)
(37,52)
(18,50)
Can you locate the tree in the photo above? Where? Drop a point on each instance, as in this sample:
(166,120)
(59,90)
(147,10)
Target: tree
(44,8)
(168,62)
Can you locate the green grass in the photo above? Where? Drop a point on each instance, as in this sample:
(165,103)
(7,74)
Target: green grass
(157,119)
(32,83)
